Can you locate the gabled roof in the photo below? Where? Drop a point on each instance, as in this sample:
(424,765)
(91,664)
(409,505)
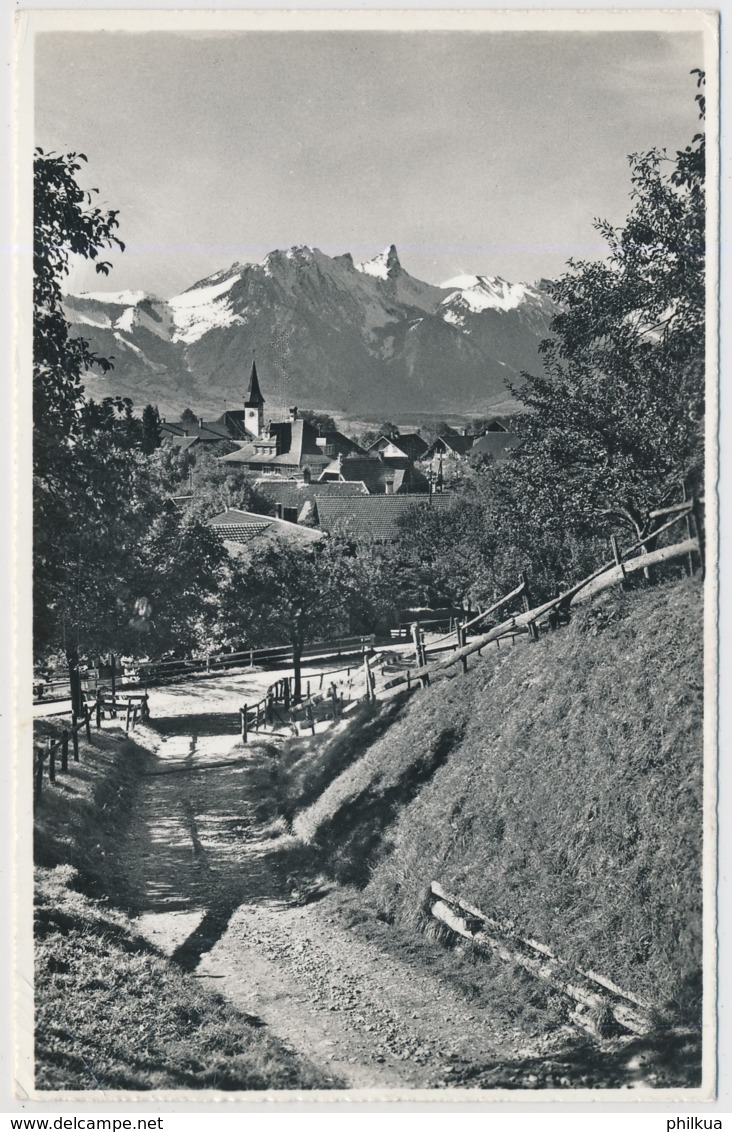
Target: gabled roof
(409,444)
(495,444)
(254,396)
(365,469)
(372,517)
(235,526)
(457,445)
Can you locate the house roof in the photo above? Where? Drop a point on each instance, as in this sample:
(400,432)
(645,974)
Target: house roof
(494,444)
(408,444)
(360,469)
(457,445)
(372,517)
(235,526)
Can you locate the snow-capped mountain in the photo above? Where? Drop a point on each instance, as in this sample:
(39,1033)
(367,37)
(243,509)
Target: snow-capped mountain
(364,338)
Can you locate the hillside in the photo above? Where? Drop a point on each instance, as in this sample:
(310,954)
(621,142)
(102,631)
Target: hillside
(581,827)
(364,338)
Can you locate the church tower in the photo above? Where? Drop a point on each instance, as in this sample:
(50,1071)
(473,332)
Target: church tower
(254,404)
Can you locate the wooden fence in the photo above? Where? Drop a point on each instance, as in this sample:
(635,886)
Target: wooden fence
(53,754)
(156,672)
(552,614)
(323,699)
(595,997)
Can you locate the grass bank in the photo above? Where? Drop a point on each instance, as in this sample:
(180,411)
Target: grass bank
(558,786)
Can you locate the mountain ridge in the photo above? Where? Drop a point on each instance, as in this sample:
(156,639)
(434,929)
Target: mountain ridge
(364,338)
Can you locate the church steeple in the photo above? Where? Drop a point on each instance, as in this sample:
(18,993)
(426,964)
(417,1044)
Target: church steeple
(254,404)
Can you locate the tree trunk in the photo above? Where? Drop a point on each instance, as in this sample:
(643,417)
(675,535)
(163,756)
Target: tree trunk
(297,648)
(72,659)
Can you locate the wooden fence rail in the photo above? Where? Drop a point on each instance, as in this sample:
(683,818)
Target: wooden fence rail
(595,996)
(45,754)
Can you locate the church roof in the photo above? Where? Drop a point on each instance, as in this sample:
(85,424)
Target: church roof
(254,393)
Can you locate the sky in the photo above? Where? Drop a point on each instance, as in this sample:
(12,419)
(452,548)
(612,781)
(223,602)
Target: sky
(475,153)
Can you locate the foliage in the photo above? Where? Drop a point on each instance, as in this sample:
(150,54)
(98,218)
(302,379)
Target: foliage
(620,405)
(216,487)
(188,417)
(65,224)
(114,566)
(294,592)
(443,555)
(151,434)
(323,422)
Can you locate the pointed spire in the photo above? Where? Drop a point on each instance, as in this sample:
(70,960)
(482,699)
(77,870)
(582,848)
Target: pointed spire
(254,393)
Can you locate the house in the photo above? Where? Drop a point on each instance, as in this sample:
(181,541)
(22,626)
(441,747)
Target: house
(409,446)
(292,448)
(238,529)
(380,476)
(494,444)
(446,453)
(371,518)
(294,499)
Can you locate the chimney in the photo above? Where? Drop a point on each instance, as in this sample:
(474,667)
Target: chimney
(389,486)
(278,510)
(293,413)
(200,422)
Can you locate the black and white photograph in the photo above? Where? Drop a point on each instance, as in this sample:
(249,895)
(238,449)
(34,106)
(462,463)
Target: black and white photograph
(366,679)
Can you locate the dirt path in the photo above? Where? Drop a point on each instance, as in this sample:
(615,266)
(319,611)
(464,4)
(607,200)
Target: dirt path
(213,888)
(217,890)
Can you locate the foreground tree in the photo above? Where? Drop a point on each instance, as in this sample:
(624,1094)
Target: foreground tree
(619,409)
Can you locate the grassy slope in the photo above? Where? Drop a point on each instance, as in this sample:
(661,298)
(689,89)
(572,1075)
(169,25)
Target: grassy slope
(557,786)
(111,1011)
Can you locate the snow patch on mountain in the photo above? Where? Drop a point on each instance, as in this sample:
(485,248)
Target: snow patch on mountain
(383,266)
(200,309)
(115,298)
(486,292)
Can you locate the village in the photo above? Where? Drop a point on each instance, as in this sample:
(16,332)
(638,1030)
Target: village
(319,479)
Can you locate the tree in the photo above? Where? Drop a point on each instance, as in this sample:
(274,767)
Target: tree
(151,434)
(291,593)
(619,408)
(113,559)
(189,418)
(218,487)
(65,224)
(323,422)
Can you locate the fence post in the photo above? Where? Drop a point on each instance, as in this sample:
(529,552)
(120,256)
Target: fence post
(367,678)
(127,715)
(533,629)
(618,559)
(75,739)
(64,752)
(87,722)
(145,714)
(409,680)
(309,714)
(251,658)
(699,529)
(38,774)
(286,691)
(462,638)
(114,679)
(51,751)
(243,713)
